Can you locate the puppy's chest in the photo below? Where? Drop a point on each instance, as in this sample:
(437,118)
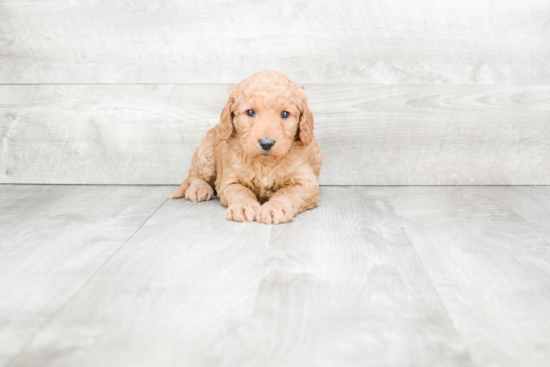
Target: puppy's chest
(264,186)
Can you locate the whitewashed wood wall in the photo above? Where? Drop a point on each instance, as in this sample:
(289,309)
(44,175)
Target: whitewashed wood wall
(433,92)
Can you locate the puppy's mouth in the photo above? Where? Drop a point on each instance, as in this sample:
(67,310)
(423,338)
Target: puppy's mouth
(266,157)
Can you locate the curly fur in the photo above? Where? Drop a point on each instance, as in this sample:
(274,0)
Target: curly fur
(269,187)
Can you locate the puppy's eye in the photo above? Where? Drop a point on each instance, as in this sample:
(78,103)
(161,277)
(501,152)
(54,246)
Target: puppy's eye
(285,114)
(250,113)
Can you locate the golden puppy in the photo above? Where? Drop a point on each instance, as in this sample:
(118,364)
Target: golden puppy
(262,157)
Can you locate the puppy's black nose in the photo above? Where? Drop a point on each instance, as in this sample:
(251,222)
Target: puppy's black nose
(267,144)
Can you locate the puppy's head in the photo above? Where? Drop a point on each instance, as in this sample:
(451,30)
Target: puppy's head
(267,112)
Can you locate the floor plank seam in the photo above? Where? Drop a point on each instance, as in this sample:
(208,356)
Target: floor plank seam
(535,226)
(244,321)
(536,229)
(453,322)
(444,307)
(54,315)
(26,194)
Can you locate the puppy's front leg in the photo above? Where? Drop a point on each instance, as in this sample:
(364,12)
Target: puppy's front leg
(286,203)
(242,205)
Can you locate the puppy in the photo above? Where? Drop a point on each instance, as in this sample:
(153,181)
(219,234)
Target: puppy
(262,158)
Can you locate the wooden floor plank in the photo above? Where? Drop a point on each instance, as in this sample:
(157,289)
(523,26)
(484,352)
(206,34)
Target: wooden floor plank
(52,239)
(532,203)
(340,286)
(185,279)
(490,266)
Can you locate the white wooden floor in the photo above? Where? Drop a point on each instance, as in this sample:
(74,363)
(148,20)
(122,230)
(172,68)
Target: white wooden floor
(376,276)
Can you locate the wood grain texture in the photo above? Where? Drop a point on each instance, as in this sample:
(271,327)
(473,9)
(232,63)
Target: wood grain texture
(223,41)
(341,286)
(371,135)
(490,267)
(531,203)
(52,240)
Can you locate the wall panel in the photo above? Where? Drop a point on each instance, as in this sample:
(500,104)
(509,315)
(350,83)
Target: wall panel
(371,135)
(319,42)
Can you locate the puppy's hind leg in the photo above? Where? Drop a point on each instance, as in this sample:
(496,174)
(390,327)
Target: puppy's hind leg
(199,190)
(202,174)
(194,189)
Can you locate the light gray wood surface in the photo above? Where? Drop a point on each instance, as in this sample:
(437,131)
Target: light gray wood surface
(371,135)
(491,267)
(344,286)
(221,41)
(424,92)
(52,240)
(340,286)
(101,276)
(531,203)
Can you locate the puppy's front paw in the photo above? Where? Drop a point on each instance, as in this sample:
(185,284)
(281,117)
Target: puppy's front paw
(199,191)
(243,212)
(180,192)
(275,213)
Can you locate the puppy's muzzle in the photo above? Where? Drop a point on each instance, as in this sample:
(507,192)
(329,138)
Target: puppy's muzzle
(267,144)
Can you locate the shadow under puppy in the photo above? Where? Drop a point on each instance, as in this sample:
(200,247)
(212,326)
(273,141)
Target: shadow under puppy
(262,157)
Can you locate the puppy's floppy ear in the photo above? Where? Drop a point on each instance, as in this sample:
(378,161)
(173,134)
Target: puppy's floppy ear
(306,124)
(225,128)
